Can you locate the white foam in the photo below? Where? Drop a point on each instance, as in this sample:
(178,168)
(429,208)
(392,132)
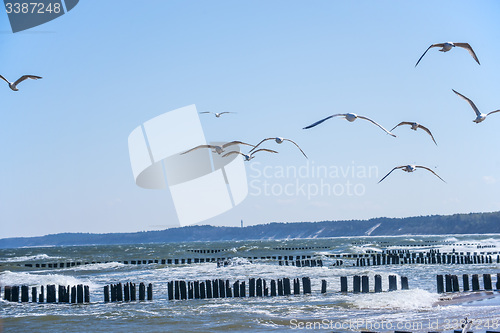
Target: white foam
(29,258)
(403,299)
(9,278)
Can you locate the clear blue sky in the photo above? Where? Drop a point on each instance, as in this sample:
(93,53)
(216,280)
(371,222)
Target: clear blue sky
(108,66)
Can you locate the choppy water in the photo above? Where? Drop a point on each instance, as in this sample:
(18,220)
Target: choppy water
(411,310)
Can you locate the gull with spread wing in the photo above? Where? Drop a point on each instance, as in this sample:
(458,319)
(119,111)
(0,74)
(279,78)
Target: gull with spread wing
(217,114)
(13,85)
(218,149)
(279,140)
(349,117)
(445,47)
(479,116)
(415,126)
(411,168)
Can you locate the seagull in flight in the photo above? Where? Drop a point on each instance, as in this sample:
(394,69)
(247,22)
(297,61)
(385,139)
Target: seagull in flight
(411,168)
(349,117)
(415,126)
(480,116)
(445,47)
(279,140)
(218,149)
(249,156)
(217,114)
(13,85)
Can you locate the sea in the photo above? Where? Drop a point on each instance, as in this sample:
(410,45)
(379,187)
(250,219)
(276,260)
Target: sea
(418,309)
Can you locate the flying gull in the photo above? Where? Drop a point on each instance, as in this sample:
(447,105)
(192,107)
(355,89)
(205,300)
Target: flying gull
(445,47)
(13,85)
(415,126)
(249,156)
(349,117)
(411,168)
(279,140)
(480,116)
(218,149)
(217,114)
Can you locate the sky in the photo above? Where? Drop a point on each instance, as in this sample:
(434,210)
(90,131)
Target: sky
(109,66)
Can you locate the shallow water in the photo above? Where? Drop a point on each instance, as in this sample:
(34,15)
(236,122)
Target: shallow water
(411,310)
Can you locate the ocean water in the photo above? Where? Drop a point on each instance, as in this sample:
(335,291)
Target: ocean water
(419,309)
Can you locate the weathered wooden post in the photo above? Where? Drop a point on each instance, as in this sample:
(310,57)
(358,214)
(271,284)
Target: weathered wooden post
(86,294)
(286,286)
(222,288)
(170,288)
(378,283)
(465,278)
(33,294)
(7,293)
(259,287)
(51,293)
(273,287)
(60,293)
(306,285)
(190,290)
(196,289)
(119,292)
(454,280)
(404,283)
(323,286)
(126,292)
(475,282)
(228,289)
(440,284)
(266,289)
(73,294)
(296,286)
(487,281)
(251,287)
(79,293)
(365,284)
(236,288)
(142,292)
(215,289)
(392,283)
(208,283)
(183,286)
(449,287)
(356,283)
(343,284)
(280,287)
(242,289)
(498,281)
(25,294)
(106,294)
(150,292)
(203,289)
(177,290)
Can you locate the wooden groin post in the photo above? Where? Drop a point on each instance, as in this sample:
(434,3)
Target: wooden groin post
(79,293)
(119,292)
(41,296)
(133,292)
(296,286)
(7,293)
(475,282)
(392,283)
(142,291)
(183,287)
(280,287)
(203,294)
(404,283)
(236,288)
(61,292)
(150,292)
(126,292)
(498,281)
(273,287)
(487,281)
(106,294)
(177,290)
(33,294)
(440,284)
(196,289)
(378,283)
(323,286)
(356,284)
(86,294)
(306,285)
(222,288)
(208,285)
(343,284)
(454,280)
(465,278)
(228,289)
(286,286)
(365,284)
(448,283)
(259,287)
(215,289)
(242,289)
(51,293)
(73,294)
(24,294)
(190,290)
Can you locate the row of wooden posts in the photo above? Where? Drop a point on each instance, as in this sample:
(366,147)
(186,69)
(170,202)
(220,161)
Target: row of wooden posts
(220,288)
(450,283)
(297,263)
(394,259)
(127,292)
(361,284)
(66,294)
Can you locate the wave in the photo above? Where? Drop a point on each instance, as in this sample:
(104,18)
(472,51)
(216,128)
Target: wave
(9,278)
(414,299)
(42,256)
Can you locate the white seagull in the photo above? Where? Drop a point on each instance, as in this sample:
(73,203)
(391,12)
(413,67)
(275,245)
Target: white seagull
(218,149)
(466,325)
(279,140)
(217,114)
(349,117)
(249,156)
(13,85)
(445,47)
(411,168)
(480,116)
(415,126)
